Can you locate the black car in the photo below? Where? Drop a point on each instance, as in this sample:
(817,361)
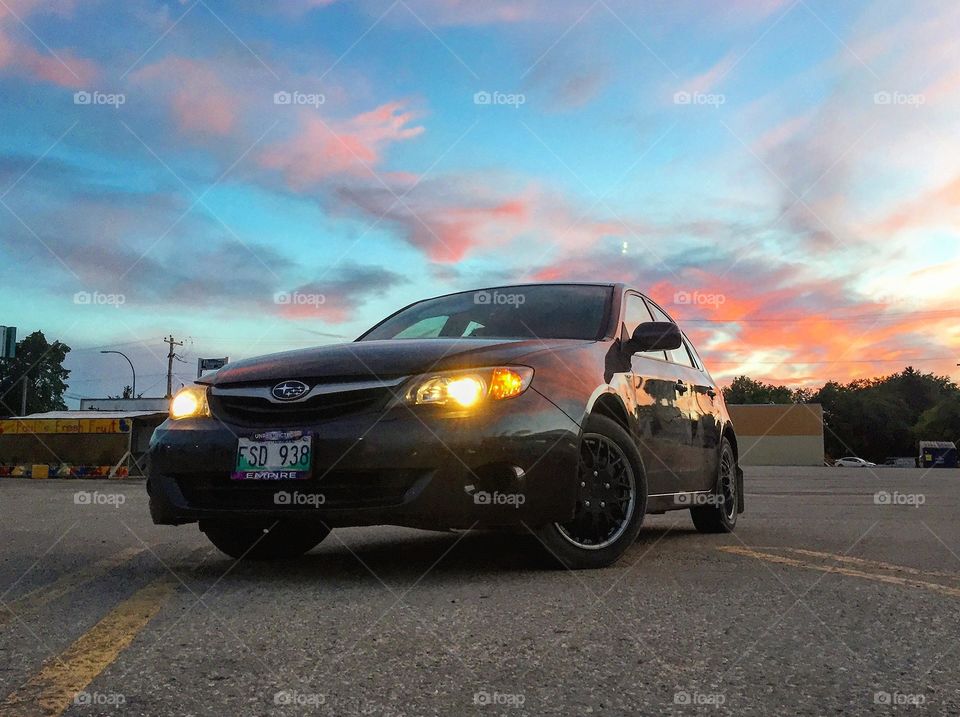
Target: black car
(569,410)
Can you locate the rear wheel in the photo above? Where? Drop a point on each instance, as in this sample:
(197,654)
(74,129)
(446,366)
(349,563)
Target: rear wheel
(611,500)
(264,541)
(721,515)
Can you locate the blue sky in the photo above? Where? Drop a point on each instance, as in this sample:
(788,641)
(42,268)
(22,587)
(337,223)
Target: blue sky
(780,175)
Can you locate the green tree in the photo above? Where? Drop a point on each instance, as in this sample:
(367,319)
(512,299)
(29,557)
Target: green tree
(918,391)
(744,389)
(127,393)
(877,418)
(940,422)
(42,363)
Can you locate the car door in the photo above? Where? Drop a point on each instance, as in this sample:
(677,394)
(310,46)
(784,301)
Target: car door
(683,377)
(660,432)
(706,403)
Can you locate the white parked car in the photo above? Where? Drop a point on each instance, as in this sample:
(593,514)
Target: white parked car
(851,462)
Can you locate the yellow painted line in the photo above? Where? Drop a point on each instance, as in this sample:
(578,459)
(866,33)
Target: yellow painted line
(71,581)
(877,577)
(873,563)
(52,690)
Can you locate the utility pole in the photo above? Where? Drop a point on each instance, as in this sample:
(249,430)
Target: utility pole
(23,400)
(170,356)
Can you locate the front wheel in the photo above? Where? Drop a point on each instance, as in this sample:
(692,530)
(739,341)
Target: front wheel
(264,541)
(611,500)
(720,516)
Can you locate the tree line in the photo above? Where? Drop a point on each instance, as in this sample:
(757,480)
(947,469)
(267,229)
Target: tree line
(873,418)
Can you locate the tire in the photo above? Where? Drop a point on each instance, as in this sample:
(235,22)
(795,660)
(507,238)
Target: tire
(264,541)
(721,515)
(611,500)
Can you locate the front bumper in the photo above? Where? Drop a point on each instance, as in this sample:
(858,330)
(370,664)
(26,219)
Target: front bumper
(403,466)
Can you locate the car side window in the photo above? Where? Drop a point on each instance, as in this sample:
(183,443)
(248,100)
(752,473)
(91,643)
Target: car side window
(635,313)
(679,355)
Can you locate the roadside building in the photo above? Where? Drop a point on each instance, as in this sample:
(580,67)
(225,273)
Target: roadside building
(77,444)
(779,434)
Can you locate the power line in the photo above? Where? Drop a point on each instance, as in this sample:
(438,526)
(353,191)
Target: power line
(945,313)
(904,361)
(142,342)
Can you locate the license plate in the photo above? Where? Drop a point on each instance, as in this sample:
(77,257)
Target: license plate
(275,455)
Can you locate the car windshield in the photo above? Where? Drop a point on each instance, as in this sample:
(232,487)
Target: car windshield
(556,311)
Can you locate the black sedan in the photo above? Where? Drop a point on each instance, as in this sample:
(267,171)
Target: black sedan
(569,410)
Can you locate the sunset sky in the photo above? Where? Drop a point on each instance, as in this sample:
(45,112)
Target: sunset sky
(782,176)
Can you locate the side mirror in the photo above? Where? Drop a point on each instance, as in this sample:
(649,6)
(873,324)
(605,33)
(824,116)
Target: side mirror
(655,336)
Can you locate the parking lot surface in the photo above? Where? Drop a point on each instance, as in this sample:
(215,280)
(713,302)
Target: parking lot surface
(839,593)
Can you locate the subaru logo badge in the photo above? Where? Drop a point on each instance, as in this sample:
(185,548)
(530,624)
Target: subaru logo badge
(289,390)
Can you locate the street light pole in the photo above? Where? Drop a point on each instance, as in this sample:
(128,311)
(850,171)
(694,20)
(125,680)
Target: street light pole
(134,386)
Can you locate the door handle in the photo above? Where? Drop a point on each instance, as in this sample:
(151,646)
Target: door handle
(681,386)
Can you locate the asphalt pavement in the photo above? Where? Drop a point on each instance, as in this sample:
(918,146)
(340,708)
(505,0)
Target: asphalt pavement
(839,593)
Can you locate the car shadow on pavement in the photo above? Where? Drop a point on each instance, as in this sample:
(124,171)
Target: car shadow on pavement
(408,557)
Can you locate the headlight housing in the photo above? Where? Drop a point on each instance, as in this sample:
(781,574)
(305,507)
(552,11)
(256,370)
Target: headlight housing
(469,388)
(189,402)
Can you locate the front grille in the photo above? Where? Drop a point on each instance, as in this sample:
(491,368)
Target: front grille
(339,489)
(256,411)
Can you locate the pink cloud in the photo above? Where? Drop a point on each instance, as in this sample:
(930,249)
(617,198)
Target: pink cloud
(63,68)
(326,148)
(201,101)
(939,206)
(67,71)
(708,80)
(782,133)
(468,12)
(459,216)
(445,226)
(460,13)
(759,8)
(774,322)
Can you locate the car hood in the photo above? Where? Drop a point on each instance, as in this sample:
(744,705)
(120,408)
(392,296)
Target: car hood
(383,359)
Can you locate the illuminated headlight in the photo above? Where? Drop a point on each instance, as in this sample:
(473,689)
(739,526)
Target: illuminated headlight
(466,389)
(190,402)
